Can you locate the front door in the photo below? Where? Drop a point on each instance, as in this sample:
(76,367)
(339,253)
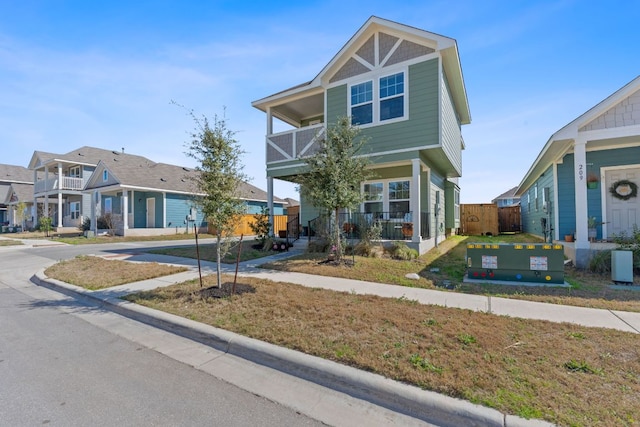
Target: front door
(622,215)
(151,212)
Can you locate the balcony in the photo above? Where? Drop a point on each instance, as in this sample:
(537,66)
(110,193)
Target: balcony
(294,144)
(68,183)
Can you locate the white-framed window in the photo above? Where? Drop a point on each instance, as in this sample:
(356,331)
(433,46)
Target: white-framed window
(389,199)
(108,205)
(535,196)
(398,198)
(362,103)
(392,97)
(379,100)
(373,197)
(105,175)
(456,204)
(74,210)
(75,172)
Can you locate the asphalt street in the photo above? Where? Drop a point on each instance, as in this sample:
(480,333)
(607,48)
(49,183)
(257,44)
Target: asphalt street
(67,362)
(61,365)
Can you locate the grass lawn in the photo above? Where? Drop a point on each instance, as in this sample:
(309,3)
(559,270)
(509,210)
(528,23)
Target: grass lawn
(562,373)
(79,239)
(98,273)
(9,242)
(208,252)
(586,289)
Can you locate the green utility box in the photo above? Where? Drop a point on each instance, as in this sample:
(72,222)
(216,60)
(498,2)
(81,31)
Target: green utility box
(524,262)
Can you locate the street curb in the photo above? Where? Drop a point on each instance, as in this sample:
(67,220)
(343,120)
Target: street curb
(424,405)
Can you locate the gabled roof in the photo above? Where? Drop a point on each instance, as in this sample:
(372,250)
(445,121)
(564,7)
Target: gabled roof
(509,194)
(561,142)
(18,192)
(82,156)
(421,41)
(131,172)
(12,173)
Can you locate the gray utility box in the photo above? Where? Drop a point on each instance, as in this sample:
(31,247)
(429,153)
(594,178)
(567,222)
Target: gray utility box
(622,266)
(523,262)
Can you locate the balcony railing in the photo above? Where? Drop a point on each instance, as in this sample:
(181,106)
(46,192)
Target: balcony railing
(68,183)
(294,144)
(392,225)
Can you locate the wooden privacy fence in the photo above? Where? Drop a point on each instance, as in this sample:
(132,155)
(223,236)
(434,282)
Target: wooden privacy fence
(243,225)
(509,220)
(479,219)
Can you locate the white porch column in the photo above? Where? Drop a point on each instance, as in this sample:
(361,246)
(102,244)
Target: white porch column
(46,192)
(270,203)
(414,195)
(59,194)
(125,209)
(164,210)
(95,210)
(34,208)
(580,179)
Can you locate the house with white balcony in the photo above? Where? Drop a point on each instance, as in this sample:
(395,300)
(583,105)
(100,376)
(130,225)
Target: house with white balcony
(137,195)
(14,181)
(404,88)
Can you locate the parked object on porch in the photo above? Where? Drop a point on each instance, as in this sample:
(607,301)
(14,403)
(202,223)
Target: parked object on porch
(622,266)
(407,229)
(568,238)
(592,230)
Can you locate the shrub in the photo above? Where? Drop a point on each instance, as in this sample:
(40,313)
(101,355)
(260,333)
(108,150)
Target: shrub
(400,250)
(86,224)
(261,226)
(319,245)
(600,262)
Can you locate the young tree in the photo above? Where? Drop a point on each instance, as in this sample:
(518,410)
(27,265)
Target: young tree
(335,173)
(219,178)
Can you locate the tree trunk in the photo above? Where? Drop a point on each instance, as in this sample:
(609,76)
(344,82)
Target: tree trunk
(336,237)
(218,260)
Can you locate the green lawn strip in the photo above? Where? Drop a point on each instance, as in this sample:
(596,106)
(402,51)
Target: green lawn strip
(445,267)
(563,373)
(10,242)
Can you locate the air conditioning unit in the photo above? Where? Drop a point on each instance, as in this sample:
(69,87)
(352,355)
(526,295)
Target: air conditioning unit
(622,266)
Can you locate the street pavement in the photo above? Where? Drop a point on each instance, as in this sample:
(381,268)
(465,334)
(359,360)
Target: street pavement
(412,404)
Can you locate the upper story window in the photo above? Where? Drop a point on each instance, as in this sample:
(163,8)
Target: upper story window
(392,97)
(105,175)
(376,101)
(362,103)
(74,172)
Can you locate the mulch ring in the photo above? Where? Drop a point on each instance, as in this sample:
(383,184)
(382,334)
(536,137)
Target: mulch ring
(226,290)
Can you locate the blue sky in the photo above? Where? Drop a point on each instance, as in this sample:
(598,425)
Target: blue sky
(103,74)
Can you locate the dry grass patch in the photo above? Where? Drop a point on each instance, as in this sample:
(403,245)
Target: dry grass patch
(586,289)
(10,242)
(565,374)
(97,273)
(208,252)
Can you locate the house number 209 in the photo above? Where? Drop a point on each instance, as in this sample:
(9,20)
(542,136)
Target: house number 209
(581,172)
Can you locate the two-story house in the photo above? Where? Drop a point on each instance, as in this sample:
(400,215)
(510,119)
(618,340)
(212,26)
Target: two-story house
(141,197)
(15,180)
(403,87)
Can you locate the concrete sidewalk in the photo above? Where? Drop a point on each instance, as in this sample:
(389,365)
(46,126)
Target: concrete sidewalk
(411,401)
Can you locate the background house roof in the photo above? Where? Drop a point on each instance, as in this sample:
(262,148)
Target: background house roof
(23,193)
(509,194)
(12,173)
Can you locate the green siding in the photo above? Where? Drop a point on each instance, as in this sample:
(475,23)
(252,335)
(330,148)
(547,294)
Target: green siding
(419,130)
(533,211)
(566,186)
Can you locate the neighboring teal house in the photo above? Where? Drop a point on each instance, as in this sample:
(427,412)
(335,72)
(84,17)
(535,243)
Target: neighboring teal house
(143,197)
(585,180)
(404,88)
